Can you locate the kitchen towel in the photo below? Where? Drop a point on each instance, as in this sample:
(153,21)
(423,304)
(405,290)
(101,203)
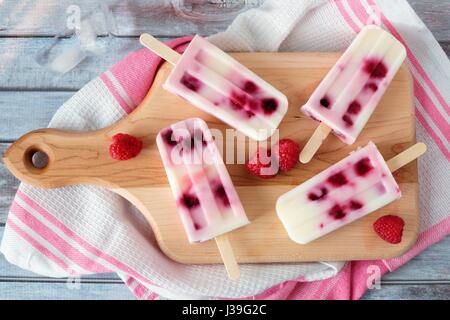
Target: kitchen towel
(83,230)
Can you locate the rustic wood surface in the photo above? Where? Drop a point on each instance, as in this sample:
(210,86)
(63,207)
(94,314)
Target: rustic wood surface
(29,94)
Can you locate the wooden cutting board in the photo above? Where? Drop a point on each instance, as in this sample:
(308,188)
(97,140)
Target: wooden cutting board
(83,158)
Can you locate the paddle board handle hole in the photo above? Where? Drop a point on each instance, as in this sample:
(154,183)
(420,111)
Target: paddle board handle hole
(36,159)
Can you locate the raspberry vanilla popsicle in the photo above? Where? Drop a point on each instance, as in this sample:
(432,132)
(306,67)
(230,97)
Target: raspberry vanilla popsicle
(347,96)
(216,83)
(206,198)
(348,190)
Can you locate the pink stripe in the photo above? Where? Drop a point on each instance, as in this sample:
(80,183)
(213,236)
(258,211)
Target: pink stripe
(80,241)
(152,296)
(425,239)
(136,72)
(321,288)
(433,135)
(428,105)
(421,95)
(59,243)
(42,249)
(352,280)
(346,16)
(114,92)
(339,286)
(129,281)
(305,290)
(413,59)
(139,291)
(359,11)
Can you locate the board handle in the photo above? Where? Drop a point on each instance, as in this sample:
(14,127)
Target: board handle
(314,143)
(72,158)
(159,48)
(405,157)
(228,258)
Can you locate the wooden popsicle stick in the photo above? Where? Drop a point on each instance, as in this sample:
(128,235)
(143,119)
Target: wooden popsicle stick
(227,254)
(159,48)
(314,143)
(406,156)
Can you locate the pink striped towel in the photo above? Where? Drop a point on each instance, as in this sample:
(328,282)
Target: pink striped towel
(81,230)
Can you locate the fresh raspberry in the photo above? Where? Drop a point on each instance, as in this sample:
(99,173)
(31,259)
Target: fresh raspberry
(287,155)
(389,228)
(124,146)
(254,164)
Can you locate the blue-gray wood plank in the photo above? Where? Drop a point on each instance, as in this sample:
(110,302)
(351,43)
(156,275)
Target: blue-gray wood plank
(29,95)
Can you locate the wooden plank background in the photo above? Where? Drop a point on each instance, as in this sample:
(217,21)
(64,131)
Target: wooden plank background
(30,94)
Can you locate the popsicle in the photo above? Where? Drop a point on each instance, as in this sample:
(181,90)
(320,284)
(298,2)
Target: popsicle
(347,96)
(216,83)
(207,201)
(348,190)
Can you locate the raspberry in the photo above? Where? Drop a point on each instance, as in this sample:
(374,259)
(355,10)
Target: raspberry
(124,146)
(287,155)
(389,228)
(254,165)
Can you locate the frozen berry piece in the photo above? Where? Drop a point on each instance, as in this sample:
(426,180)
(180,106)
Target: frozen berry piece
(189,200)
(376,68)
(363,166)
(337,212)
(389,228)
(238,101)
(253,104)
(371,86)
(190,82)
(196,138)
(249,113)
(269,105)
(337,179)
(325,102)
(354,107)
(168,137)
(346,118)
(261,160)
(124,146)
(355,205)
(314,196)
(250,87)
(221,194)
(287,154)
(197,226)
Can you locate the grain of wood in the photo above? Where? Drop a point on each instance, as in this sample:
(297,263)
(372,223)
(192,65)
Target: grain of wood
(29,290)
(44,18)
(126,18)
(131,18)
(432,264)
(20,71)
(410,292)
(21,112)
(436,16)
(8,187)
